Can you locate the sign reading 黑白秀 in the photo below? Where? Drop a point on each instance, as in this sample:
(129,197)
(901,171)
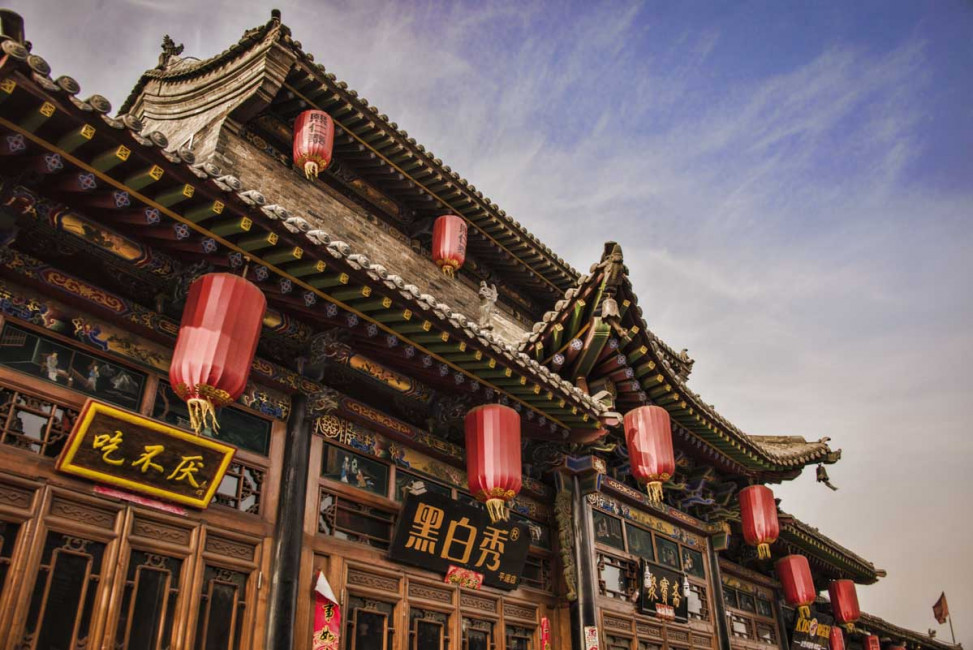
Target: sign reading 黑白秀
(435,532)
(121,448)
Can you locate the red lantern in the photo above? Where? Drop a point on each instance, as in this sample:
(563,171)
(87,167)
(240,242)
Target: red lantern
(896,647)
(493,456)
(844,603)
(759,513)
(313,141)
(837,639)
(217,340)
(449,243)
(649,437)
(872,643)
(795,576)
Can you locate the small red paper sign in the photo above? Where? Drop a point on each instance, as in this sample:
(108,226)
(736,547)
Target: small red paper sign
(464,577)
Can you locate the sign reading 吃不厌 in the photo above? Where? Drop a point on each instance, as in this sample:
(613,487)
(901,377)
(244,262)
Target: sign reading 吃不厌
(124,449)
(435,532)
(812,633)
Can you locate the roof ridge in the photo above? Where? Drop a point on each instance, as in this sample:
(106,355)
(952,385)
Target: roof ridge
(281,33)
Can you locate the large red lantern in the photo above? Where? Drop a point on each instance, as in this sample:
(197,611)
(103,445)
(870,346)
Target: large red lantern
(837,639)
(449,243)
(313,141)
(493,456)
(649,437)
(844,602)
(217,340)
(759,513)
(872,642)
(794,573)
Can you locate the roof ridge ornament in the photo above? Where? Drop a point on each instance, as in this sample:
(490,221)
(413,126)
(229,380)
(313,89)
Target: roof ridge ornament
(169,51)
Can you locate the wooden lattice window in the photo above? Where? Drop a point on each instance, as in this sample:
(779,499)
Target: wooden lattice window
(766,633)
(739,626)
(428,630)
(538,573)
(354,521)
(222,609)
(478,634)
(617,577)
(148,602)
(64,593)
(371,624)
(34,424)
(8,538)
(519,638)
(697,604)
(241,488)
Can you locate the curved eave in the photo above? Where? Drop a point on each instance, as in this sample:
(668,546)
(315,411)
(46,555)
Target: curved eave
(409,160)
(662,383)
(829,556)
(304,266)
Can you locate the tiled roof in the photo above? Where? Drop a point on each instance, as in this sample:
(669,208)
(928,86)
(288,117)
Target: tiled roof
(62,117)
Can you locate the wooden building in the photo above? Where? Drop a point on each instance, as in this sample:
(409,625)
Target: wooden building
(368,362)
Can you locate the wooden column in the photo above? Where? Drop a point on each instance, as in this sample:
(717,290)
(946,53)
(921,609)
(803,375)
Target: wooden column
(578,476)
(718,603)
(289,527)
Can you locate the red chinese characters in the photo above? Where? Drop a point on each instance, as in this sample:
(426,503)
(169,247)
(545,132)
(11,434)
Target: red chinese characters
(216,344)
(649,437)
(493,456)
(759,514)
(837,639)
(449,243)
(794,573)
(844,602)
(313,141)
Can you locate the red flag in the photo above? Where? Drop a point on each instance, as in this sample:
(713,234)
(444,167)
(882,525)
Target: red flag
(941,610)
(327,616)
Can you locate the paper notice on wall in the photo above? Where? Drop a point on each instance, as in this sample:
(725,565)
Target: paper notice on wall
(590,637)
(327,616)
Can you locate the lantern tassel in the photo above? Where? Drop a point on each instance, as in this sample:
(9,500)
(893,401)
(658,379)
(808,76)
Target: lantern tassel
(849,627)
(449,271)
(497,509)
(202,415)
(804,611)
(310,169)
(763,551)
(654,490)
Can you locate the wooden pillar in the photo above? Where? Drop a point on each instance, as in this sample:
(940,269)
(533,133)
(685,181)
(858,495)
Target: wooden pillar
(722,629)
(289,528)
(578,476)
(783,626)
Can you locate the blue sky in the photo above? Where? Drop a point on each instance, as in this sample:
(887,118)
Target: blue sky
(791,183)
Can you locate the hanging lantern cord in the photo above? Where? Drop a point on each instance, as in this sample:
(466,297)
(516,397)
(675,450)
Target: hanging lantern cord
(202,415)
(654,490)
(246,267)
(497,510)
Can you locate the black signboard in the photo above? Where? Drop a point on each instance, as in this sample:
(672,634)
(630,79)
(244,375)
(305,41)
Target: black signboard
(811,633)
(663,592)
(435,532)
